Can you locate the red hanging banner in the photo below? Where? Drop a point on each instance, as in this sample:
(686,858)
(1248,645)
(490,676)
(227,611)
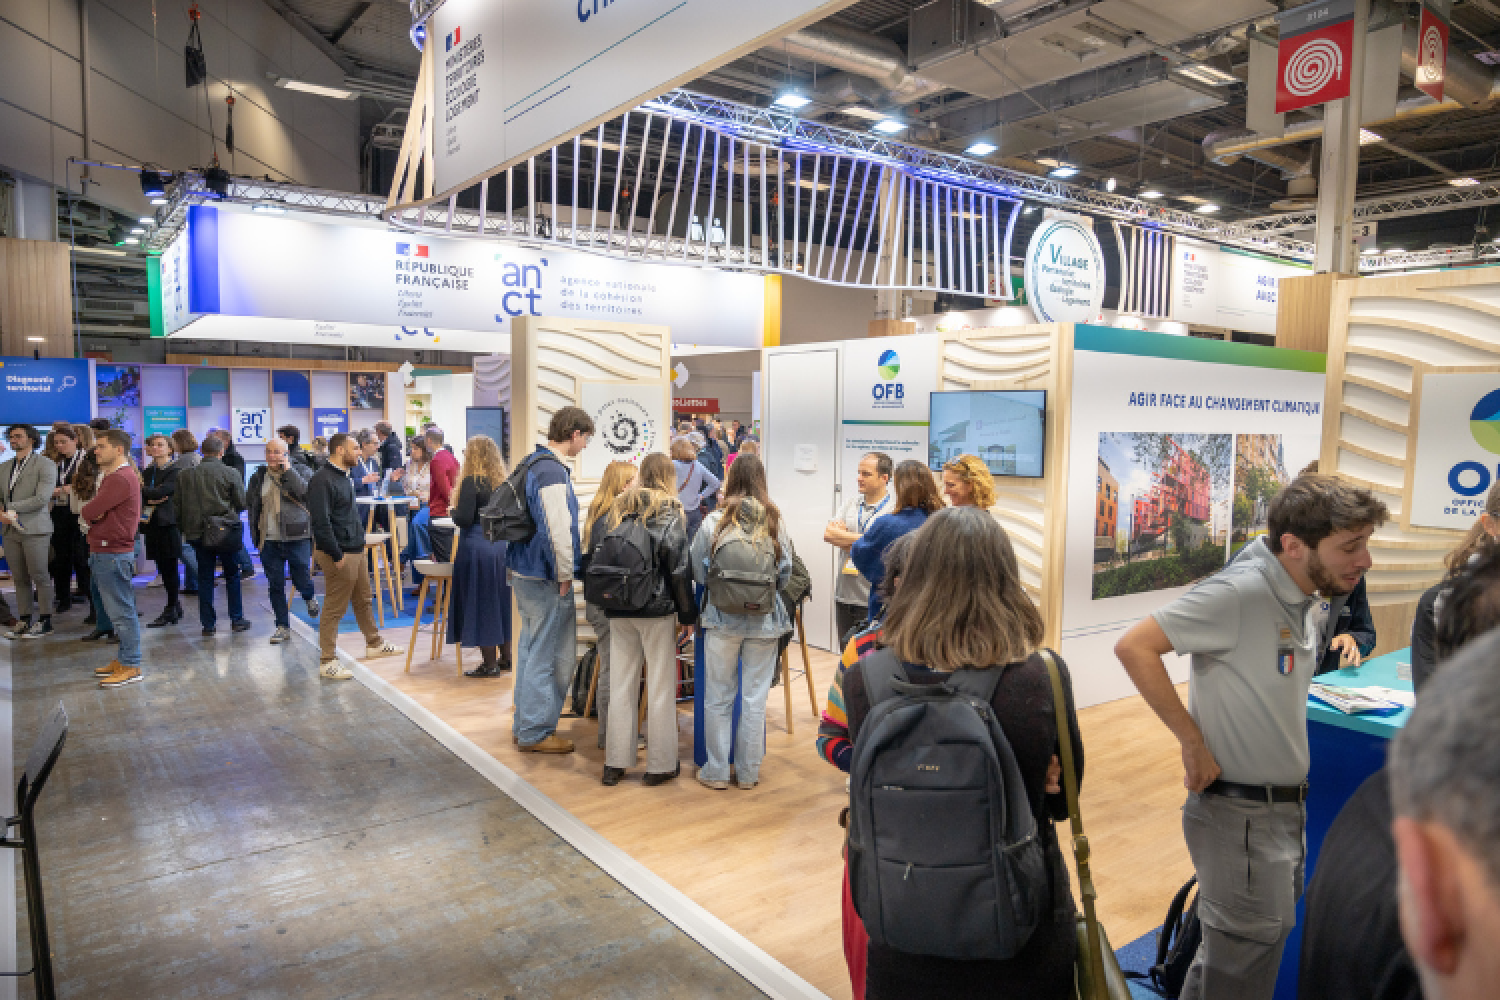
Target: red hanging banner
(1314,55)
(1432,54)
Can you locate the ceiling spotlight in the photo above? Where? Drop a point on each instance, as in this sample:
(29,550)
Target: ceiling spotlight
(158,201)
(36,340)
(1110,185)
(792,100)
(419,35)
(216,179)
(1366,137)
(153,183)
(981,148)
(1207,208)
(1028,210)
(1151,194)
(147,220)
(131,239)
(137,231)
(1062,172)
(1463,182)
(889,126)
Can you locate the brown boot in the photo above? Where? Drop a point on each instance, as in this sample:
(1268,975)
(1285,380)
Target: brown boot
(551,744)
(112,667)
(121,677)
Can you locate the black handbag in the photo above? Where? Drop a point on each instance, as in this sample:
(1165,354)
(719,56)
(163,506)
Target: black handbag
(223,533)
(296,521)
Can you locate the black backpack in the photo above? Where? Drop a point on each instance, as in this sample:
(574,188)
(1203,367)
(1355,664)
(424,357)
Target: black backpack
(1177,942)
(583,679)
(945,857)
(622,569)
(507,517)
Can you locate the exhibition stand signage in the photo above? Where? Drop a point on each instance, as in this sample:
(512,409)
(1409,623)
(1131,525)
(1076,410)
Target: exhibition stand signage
(1065,270)
(234,274)
(1226,288)
(1183,442)
(888,385)
(1454,456)
(39,392)
(510,78)
(328,421)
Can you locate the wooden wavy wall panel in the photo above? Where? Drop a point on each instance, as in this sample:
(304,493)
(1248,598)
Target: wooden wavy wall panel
(1384,333)
(1024,357)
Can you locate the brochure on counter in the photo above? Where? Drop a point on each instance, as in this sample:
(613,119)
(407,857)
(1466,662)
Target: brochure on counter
(1355,701)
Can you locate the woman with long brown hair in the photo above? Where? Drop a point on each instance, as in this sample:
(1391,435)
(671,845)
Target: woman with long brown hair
(740,650)
(479,610)
(617,476)
(643,626)
(961,606)
(916,499)
(185,444)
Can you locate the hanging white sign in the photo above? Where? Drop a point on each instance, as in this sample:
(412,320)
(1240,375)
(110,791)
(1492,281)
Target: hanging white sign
(510,77)
(1214,286)
(1065,271)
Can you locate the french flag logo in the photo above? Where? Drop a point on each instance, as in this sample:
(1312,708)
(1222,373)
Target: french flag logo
(408,250)
(453,39)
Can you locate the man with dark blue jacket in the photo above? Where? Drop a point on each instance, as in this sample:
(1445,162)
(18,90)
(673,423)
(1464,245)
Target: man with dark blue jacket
(542,570)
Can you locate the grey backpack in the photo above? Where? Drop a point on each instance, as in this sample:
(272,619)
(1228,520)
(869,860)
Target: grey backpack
(944,853)
(742,573)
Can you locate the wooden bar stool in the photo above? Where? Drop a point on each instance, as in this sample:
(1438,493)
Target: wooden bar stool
(786,673)
(439,578)
(378,550)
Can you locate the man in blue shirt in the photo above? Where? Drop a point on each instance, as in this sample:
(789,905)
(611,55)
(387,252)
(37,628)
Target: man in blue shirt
(542,570)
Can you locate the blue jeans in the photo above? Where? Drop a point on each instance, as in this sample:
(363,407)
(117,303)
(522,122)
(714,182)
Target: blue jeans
(189,559)
(101,617)
(723,656)
(111,575)
(544,657)
(275,558)
(206,562)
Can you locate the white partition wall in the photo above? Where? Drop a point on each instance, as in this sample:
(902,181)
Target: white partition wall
(800,434)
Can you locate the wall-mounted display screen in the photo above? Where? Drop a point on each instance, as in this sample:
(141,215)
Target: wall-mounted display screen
(1006,428)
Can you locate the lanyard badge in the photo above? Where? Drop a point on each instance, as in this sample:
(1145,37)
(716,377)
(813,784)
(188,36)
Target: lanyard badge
(1286,652)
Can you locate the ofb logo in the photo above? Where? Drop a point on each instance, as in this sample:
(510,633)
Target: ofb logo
(889,365)
(1484,422)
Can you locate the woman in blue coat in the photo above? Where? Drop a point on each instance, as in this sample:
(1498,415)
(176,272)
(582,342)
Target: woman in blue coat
(916,498)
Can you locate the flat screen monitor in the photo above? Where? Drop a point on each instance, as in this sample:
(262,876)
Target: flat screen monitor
(1006,428)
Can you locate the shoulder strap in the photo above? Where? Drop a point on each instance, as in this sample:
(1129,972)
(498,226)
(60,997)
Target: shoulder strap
(880,669)
(1080,839)
(980,684)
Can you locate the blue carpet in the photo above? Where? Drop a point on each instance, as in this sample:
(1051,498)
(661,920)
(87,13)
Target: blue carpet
(392,621)
(1138,956)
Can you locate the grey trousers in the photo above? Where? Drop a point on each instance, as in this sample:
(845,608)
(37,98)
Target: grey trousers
(648,642)
(600,623)
(27,558)
(1251,859)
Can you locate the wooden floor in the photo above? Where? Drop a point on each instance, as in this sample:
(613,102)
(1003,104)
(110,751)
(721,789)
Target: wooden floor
(767,861)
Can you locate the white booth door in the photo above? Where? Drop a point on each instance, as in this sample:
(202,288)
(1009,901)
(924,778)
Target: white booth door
(801,456)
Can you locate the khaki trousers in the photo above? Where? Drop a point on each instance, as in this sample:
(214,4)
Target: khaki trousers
(341,587)
(636,643)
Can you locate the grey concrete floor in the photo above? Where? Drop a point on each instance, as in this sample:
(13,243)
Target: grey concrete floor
(236,827)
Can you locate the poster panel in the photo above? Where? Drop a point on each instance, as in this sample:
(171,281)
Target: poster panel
(1223,287)
(511,76)
(40,391)
(1176,444)
(165,419)
(1456,456)
(630,420)
(887,394)
(330,420)
(252,424)
(367,391)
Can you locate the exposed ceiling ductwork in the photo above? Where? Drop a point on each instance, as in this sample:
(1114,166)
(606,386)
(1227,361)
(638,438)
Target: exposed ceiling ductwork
(864,55)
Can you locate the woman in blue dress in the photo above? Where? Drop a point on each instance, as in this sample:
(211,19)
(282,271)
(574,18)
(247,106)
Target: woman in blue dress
(479,610)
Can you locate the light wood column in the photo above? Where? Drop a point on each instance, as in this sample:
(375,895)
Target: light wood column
(35,299)
(1304,310)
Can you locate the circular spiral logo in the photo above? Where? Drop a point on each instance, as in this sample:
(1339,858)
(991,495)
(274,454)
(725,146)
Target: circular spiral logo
(1430,59)
(1484,422)
(1312,67)
(626,430)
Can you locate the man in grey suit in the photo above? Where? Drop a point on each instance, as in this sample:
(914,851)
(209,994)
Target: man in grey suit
(26,483)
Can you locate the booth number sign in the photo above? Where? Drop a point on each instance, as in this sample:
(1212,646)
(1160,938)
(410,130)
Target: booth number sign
(251,424)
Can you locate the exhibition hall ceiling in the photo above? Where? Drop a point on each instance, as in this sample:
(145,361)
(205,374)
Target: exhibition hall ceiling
(1111,87)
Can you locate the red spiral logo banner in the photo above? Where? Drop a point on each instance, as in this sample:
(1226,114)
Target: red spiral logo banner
(1313,66)
(1432,55)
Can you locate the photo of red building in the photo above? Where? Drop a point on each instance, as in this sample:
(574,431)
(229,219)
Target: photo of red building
(1182,486)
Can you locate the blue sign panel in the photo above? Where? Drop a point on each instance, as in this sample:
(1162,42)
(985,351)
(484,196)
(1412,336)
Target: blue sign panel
(328,421)
(39,392)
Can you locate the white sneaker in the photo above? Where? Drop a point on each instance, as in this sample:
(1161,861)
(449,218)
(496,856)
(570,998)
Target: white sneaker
(382,648)
(333,670)
(22,627)
(282,634)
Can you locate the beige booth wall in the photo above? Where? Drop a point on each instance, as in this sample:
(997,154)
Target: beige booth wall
(1383,332)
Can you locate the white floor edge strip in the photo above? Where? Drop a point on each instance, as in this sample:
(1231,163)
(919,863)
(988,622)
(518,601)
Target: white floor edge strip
(10,913)
(724,942)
